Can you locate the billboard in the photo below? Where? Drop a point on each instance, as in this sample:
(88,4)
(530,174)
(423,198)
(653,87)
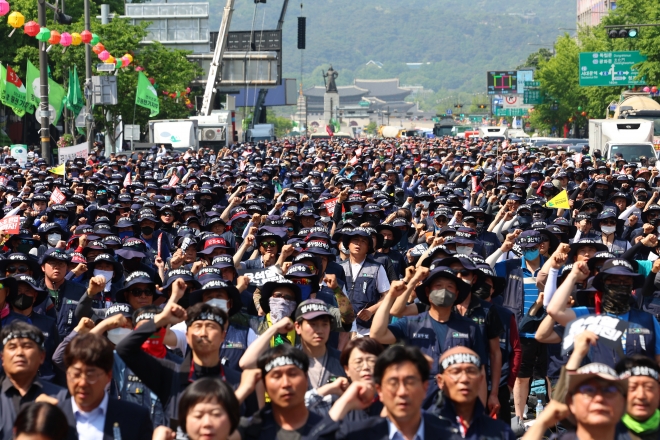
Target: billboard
(284,94)
(502,82)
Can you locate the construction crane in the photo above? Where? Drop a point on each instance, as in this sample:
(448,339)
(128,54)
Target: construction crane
(214,71)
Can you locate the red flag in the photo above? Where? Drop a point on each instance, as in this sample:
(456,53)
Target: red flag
(13,78)
(127,180)
(57,196)
(328,130)
(330,205)
(174,180)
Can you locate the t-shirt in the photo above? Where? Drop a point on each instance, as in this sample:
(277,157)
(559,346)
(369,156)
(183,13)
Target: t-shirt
(315,371)
(262,426)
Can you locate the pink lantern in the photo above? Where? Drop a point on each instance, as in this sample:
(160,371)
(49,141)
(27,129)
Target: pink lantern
(65,39)
(646,89)
(125,61)
(4,7)
(103,55)
(139,69)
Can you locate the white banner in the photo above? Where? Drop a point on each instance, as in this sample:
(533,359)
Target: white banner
(19,152)
(70,153)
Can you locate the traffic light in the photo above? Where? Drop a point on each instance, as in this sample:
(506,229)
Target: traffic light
(62,18)
(481,106)
(622,33)
(458,105)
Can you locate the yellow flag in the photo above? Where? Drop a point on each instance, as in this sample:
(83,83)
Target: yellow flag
(59,170)
(559,201)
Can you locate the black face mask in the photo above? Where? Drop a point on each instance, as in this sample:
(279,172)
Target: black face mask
(600,193)
(131,265)
(387,243)
(101,200)
(23,302)
(482,291)
(616,299)
(525,219)
(147,230)
(206,202)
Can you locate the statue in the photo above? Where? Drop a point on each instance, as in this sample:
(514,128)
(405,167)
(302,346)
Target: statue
(330,86)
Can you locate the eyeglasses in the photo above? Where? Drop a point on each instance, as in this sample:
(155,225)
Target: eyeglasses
(19,269)
(393,384)
(167,214)
(359,363)
(461,272)
(91,377)
(140,292)
(456,373)
(607,391)
(290,229)
(267,244)
(480,219)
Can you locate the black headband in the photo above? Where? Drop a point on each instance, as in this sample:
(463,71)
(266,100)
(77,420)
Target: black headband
(39,340)
(459,358)
(208,316)
(281,361)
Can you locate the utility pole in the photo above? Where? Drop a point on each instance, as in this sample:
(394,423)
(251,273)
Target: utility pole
(89,119)
(44,132)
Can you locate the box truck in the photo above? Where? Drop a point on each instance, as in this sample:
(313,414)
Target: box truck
(180,133)
(630,139)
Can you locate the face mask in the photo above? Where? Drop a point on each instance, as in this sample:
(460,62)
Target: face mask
(117,334)
(167,198)
(600,193)
(442,298)
(342,249)
(24,248)
(467,250)
(616,299)
(531,255)
(125,234)
(525,219)
(53,239)
(280,308)
(23,302)
(387,243)
(103,200)
(219,303)
(107,274)
(62,222)
(147,230)
(482,291)
(607,230)
(206,202)
(480,226)
(238,229)
(305,291)
(440,186)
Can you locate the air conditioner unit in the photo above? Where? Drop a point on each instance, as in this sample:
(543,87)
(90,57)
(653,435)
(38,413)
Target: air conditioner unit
(212,134)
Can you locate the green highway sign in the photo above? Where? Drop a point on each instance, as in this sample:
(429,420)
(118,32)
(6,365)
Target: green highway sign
(604,69)
(511,112)
(533,97)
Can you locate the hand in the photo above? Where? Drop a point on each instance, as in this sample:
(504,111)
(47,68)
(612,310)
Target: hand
(197,266)
(80,269)
(584,225)
(553,413)
(242,283)
(330,280)
(249,379)
(580,271)
(172,314)
(493,404)
(343,195)
(335,388)
(158,261)
(287,250)
(116,321)
(558,258)
(86,324)
(284,325)
(656,266)
(648,228)
(161,433)
(583,341)
(96,285)
(249,240)
(510,240)
(177,259)
(365,314)
(437,241)
(640,204)
(256,219)
(420,275)
(82,240)
(359,395)
(632,220)
(48,399)
(178,290)
(650,240)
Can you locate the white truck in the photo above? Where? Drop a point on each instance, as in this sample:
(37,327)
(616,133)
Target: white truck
(214,130)
(630,139)
(180,133)
(261,132)
(494,133)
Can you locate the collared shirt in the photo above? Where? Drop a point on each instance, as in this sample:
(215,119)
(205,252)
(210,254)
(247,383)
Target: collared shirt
(396,435)
(14,395)
(90,424)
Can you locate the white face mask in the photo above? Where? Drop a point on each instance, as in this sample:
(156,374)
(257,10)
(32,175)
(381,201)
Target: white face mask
(607,230)
(117,334)
(425,203)
(53,239)
(467,250)
(219,303)
(107,274)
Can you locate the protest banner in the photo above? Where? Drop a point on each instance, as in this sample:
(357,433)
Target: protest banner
(173,180)
(19,152)
(71,153)
(259,277)
(11,224)
(608,329)
(330,205)
(57,196)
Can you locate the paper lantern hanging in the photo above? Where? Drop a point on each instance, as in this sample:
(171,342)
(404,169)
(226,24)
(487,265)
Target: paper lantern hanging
(31,28)
(654,89)
(95,40)
(4,7)
(152,80)
(104,55)
(54,37)
(86,36)
(15,20)
(43,35)
(98,48)
(65,39)
(110,60)
(76,39)
(125,61)
(119,63)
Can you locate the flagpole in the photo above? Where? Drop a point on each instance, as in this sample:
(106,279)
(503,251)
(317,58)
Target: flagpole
(134,109)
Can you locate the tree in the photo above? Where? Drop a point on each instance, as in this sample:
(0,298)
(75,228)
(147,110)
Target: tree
(371,128)
(536,58)
(283,126)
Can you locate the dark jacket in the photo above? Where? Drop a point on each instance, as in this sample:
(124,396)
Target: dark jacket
(375,428)
(133,420)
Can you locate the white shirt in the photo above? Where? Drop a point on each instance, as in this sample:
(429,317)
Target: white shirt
(396,435)
(90,424)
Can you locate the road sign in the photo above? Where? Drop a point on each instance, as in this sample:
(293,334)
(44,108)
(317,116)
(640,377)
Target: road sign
(105,67)
(448,111)
(511,112)
(533,97)
(603,69)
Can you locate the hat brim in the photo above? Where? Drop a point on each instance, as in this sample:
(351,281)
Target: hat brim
(234,295)
(600,247)
(575,379)
(267,292)
(129,254)
(598,282)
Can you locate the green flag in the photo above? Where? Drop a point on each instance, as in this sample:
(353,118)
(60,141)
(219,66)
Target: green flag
(32,85)
(146,95)
(55,98)
(11,96)
(73,99)
(335,125)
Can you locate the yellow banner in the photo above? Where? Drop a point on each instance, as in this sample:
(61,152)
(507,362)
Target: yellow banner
(559,201)
(59,170)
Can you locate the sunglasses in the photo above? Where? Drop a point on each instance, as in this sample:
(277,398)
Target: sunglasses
(461,272)
(167,214)
(19,269)
(608,222)
(606,391)
(290,229)
(140,292)
(266,244)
